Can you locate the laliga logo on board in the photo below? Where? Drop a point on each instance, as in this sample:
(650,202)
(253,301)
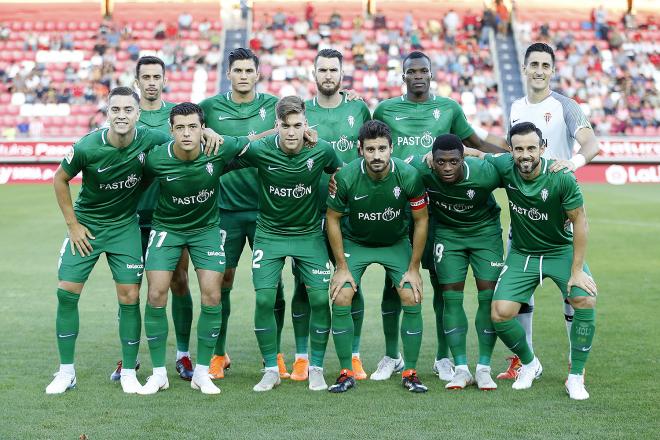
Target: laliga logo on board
(427,140)
(620,175)
(209,168)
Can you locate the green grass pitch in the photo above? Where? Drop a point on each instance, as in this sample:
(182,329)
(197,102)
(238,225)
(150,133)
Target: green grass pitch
(622,372)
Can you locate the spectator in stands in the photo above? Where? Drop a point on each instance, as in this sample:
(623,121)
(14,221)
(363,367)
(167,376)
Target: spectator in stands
(434,29)
(159,30)
(5,33)
(279,20)
(415,41)
(408,24)
(370,82)
(67,41)
(502,16)
(171,30)
(31,42)
(185,21)
(488,23)
(204,28)
(23,128)
(600,22)
(36,127)
(300,28)
(470,22)
(309,14)
(380,21)
(335,20)
(452,21)
(133,50)
(313,39)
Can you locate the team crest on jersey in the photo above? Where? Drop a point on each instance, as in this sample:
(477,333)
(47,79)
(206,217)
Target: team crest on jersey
(547,117)
(310,164)
(470,193)
(544,194)
(397,192)
(262,113)
(351,121)
(69,155)
(141,158)
(436,114)
(427,139)
(209,168)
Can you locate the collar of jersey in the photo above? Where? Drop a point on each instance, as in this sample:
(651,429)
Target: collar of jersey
(256,96)
(431,98)
(315,102)
(173,156)
(105,141)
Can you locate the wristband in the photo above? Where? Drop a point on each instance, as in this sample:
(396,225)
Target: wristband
(578,160)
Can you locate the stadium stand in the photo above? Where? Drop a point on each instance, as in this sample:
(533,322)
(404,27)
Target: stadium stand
(609,66)
(55,71)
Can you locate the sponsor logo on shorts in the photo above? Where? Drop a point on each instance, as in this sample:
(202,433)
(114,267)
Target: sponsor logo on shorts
(128,183)
(387,215)
(135,266)
(533,213)
(496,264)
(299,191)
(201,197)
(215,253)
(320,272)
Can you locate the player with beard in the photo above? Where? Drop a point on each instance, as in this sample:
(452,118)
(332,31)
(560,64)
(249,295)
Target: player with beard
(337,118)
(416,119)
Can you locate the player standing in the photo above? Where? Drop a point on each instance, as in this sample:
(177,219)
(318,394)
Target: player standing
(240,112)
(562,122)
(155,114)
(289,225)
(375,191)
(103,220)
(337,119)
(416,119)
(186,218)
(467,232)
(542,204)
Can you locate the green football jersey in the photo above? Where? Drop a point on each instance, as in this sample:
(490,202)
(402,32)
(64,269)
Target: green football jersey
(377,208)
(415,125)
(340,126)
(111,176)
(539,224)
(238,189)
(158,120)
(188,188)
(465,207)
(288,185)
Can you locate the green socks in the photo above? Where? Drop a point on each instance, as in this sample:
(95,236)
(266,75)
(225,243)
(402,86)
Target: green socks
(155,328)
(342,333)
(279,310)
(485,331)
(319,325)
(130,327)
(67,324)
(390,309)
(582,335)
(208,329)
(300,312)
(438,307)
(220,345)
(265,326)
(411,334)
(182,315)
(357,313)
(455,325)
(513,336)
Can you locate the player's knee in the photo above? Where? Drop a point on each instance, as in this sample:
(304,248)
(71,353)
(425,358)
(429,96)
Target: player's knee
(407,297)
(344,298)
(583,302)
(228,279)
(157,297)
(265,299)
(71,287)
(501,311)
(210,296)
(128,293)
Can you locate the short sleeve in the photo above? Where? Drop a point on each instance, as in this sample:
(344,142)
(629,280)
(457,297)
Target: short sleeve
(339,201)
(365,113)
(378,113)
(500,161)
(231,147)
(332,160)
(574,117)
(415,190)
(157,137)
(74,161)
(149,166)
(459,124)
(571,195)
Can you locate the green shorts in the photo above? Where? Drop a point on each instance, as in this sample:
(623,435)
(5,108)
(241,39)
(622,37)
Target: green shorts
(121,245)
(206,248)
(394,259)
(144,238)
(522,273)
(452,255)
(309,257)
(240,227)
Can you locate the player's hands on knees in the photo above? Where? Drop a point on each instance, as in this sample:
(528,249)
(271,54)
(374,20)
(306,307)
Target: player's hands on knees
(413,277)
(79,237)
(582,280)
(352,95)
(311,137)
(339,278)
(565,165)
(212,141)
